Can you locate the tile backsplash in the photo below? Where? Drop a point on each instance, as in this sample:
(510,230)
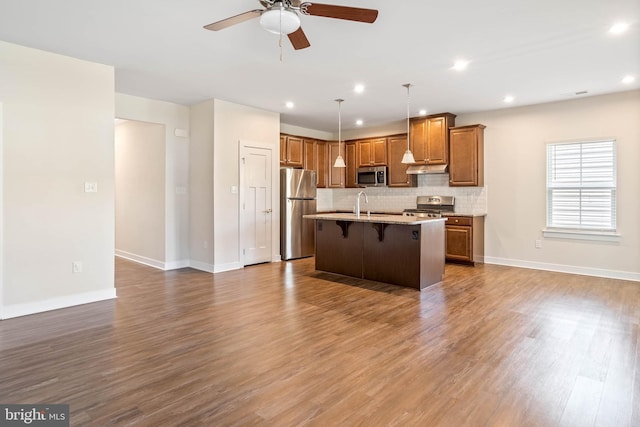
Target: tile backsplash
(472,200)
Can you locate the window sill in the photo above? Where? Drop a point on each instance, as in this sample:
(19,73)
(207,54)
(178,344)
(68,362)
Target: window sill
(601,236)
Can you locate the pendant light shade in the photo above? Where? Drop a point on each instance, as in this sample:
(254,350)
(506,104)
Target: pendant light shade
(408,155)
(339,163)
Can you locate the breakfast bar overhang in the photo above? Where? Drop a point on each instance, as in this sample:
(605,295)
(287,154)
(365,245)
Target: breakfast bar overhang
(393,249)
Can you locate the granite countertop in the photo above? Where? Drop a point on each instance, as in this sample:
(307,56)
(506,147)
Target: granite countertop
(474,213)
(464,214)
(379,218)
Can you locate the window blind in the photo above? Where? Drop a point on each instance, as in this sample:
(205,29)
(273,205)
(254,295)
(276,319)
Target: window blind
(581,185)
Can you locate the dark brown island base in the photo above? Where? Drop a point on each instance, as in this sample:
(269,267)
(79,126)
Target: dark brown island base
(394,249)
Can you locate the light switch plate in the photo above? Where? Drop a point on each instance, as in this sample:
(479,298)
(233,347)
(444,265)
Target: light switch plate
(90,187)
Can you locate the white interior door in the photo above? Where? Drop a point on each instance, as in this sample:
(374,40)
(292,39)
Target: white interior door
(256,209)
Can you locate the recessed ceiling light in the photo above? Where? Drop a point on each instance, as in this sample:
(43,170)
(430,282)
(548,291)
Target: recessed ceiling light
(422,112)
(460,65)
(628,79)
(619,28)
(289,104)
(508,99)
(359,88)
(359,122)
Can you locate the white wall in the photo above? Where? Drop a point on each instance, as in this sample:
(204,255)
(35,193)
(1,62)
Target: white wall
(232,123)
(515,177)
(140,191)
(201,186)
(216,129)
(57,134)
(175,118)
(309,133)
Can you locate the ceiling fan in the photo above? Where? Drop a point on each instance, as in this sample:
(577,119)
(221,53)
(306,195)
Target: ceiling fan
(281,17)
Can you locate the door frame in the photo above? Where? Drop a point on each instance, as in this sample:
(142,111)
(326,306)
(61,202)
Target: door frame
(275,197)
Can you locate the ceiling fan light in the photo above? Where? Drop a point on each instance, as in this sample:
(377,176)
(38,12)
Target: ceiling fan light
(279,19)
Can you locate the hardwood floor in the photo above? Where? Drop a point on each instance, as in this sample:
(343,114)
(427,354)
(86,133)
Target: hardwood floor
(281,344)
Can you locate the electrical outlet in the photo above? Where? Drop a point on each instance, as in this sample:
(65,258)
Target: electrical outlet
(538,243)
(205,244)
(76,266)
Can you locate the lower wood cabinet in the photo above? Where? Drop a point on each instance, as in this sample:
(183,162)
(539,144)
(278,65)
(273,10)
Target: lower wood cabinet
(465,239)
(400,254)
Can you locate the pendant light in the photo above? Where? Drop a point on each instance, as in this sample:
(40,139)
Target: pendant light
(339,163)
(408,155)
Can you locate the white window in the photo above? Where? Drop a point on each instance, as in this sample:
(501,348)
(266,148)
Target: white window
(581,186)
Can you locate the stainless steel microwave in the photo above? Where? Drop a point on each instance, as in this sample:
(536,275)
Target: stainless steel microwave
(372,176)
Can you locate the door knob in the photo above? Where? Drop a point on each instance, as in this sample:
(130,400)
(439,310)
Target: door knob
(267,211)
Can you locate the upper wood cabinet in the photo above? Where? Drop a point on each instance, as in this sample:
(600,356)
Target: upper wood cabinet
(315,159)
(466,165)
(397,171)
(291,151)
(430,138)
(310,156)
(372,152)
(336,176)
(321,164)
(283,149)
(351,180)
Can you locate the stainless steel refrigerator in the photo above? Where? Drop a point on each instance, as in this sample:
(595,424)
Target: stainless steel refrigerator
(297,198)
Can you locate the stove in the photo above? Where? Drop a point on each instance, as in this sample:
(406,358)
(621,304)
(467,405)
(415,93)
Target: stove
(431,206)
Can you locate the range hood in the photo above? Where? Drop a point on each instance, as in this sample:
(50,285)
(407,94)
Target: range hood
(426,169)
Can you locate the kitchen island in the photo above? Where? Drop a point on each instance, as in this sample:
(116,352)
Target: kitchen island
(400,250)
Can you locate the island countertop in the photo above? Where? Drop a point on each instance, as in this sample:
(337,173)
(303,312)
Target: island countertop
(396,249)
(377,218)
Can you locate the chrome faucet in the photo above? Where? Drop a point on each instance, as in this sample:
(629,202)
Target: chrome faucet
(366,200)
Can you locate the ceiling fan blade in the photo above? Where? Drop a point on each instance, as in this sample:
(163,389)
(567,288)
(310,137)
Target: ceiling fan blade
(299,39)
(219,25)
(339,12)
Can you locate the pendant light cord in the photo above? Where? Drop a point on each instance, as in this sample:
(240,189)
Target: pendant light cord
(408,85)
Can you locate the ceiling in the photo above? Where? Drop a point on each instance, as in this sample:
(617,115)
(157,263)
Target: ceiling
(536,51)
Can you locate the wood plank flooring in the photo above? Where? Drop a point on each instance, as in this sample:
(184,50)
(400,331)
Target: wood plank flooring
(281,344)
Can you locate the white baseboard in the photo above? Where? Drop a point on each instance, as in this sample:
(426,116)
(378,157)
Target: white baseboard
(219,268)
(140,259)
(18,310)
(572,269)
(202,266)
(172,265)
